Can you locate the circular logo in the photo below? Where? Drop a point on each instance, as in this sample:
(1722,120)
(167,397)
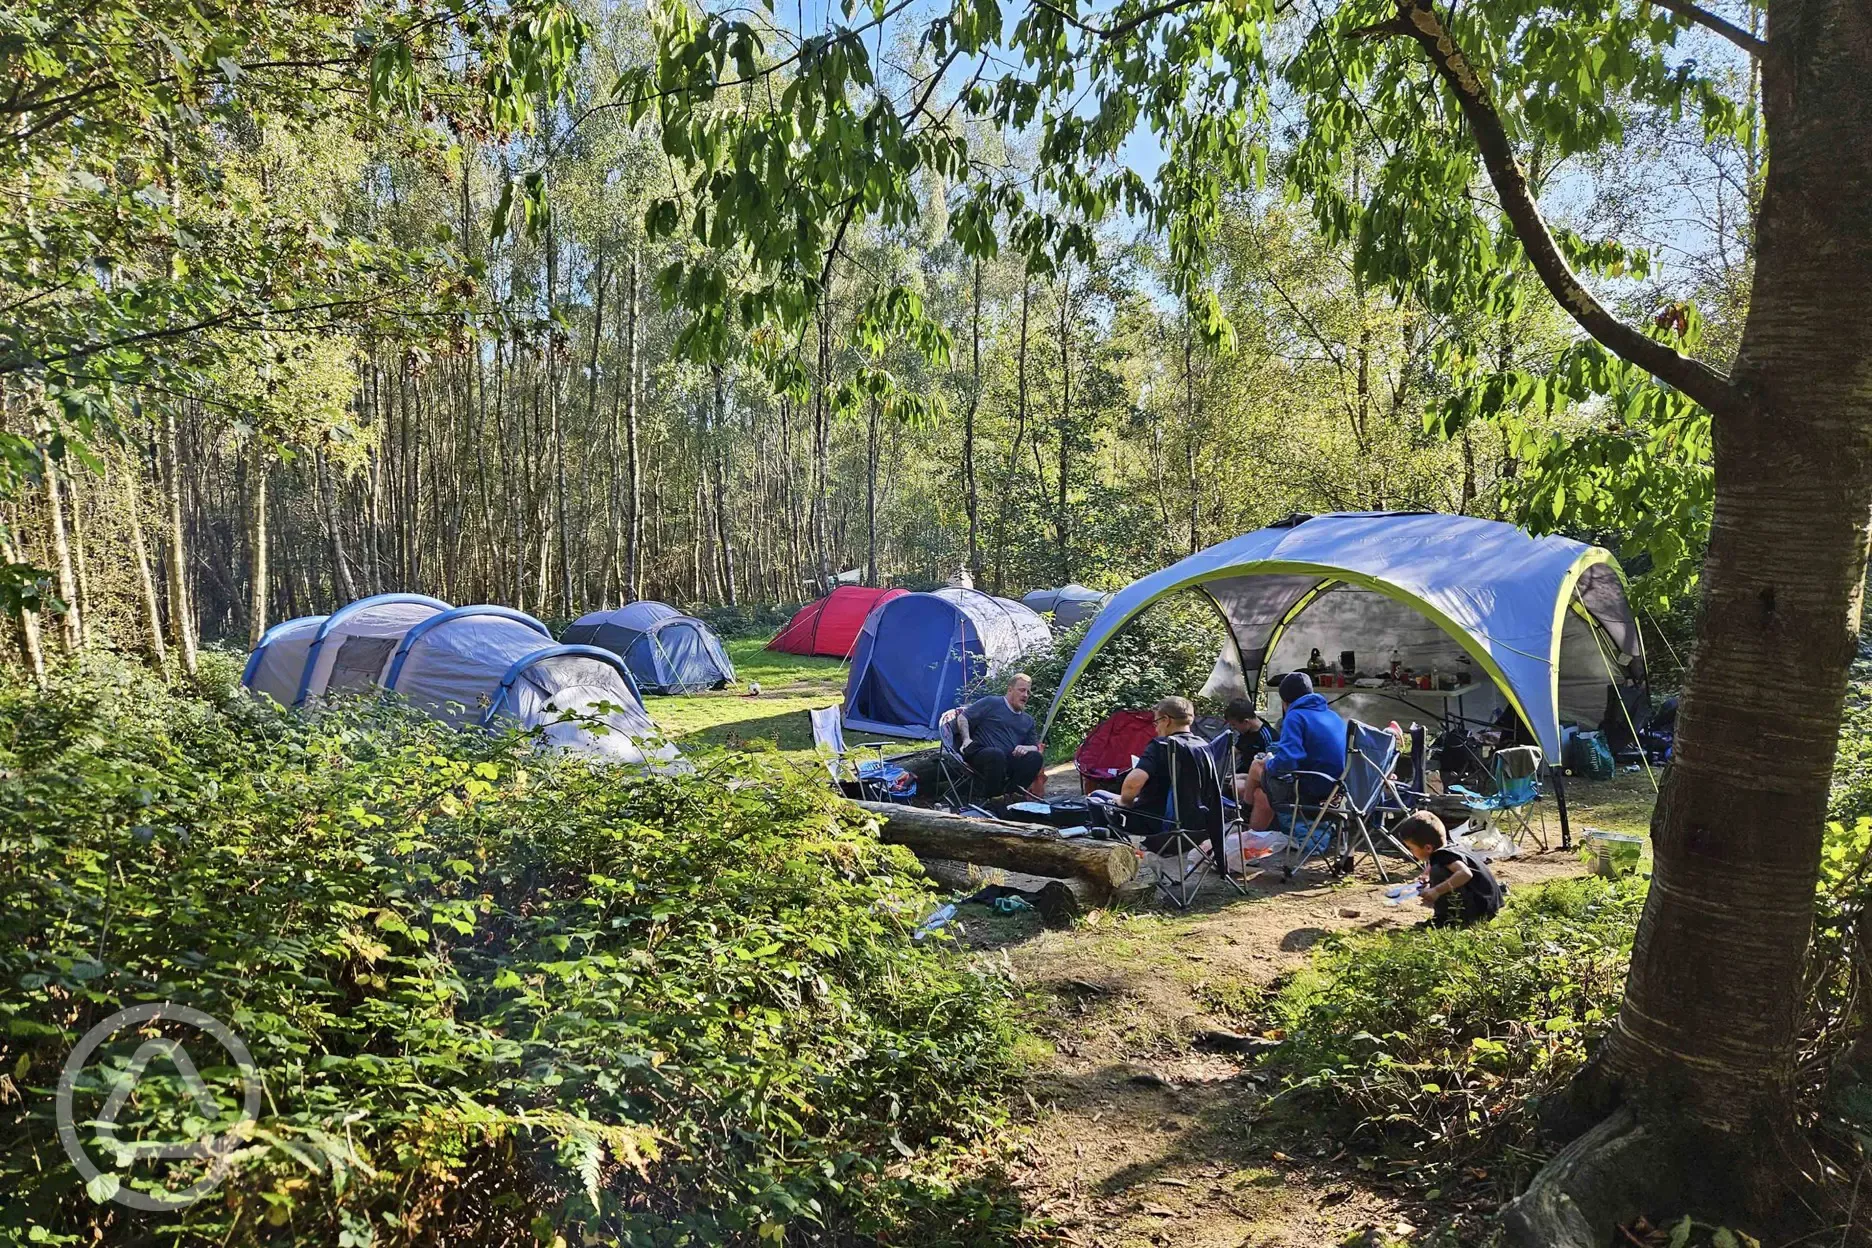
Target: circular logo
(106,1185)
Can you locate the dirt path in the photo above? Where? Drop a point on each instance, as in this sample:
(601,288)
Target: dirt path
(1148,1134)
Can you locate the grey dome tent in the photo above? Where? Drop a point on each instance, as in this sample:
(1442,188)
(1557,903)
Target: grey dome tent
(277,663)
(1542,621)
(666,651)
(1068,605)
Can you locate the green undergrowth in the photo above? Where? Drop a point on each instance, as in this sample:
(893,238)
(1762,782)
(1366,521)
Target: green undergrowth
(494,997)
(1431,1048)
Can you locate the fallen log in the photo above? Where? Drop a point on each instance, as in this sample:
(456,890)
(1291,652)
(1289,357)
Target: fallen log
(1024,847)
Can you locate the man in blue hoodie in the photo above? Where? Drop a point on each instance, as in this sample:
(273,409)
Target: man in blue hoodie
(1312,738)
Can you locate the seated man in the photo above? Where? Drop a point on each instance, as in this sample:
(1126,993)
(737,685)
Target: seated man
(1236,748)
(1145,796)
(1000,742)
(1312,738)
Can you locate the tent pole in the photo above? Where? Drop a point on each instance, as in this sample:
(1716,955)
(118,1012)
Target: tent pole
(1559,792)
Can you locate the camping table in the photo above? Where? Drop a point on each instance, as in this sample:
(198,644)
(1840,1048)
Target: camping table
(1405,694)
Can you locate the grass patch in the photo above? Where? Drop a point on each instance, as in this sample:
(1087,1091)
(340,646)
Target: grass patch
(728,719)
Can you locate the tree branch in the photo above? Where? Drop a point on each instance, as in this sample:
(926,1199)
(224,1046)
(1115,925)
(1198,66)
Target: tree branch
(1698,380)
(1699,16)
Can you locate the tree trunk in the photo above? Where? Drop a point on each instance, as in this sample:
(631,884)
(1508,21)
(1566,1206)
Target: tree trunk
(181,621)
(1703,1047)
(822,438)
(26,623)
(724,526)
(971,501)
(146,580)
(81,563)
(1062,525)
(871,474)
(633,560)
(1014,444)
(258,586)
(71,629)
(1024,847)
(343,584)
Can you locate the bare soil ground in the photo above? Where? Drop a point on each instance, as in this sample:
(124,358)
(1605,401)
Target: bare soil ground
(1144,1131)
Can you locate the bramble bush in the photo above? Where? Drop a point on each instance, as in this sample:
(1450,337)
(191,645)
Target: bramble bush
(1430,1043)
(495,997)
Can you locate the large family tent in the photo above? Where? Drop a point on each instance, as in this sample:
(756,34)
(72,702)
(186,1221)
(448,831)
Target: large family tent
(351,649)
(666,651)
(451,664)
(1542,622)
(468,666)
(829,626)
(916,653)
(277,663)
(1068,605)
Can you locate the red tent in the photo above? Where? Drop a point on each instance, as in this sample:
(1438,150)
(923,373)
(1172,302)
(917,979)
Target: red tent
(830,626)
(1110,747)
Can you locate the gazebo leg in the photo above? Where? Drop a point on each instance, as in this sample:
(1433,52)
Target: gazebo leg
(1559,792)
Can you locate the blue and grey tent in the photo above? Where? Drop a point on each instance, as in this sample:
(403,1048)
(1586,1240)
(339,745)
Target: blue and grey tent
(277,663)
(917,653)
(666,651)
(1068,605)
(350,650)
(478,666)
(1542,622)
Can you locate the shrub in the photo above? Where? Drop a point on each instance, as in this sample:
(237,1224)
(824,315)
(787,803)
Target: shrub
(1170,648)
(760,619)
(1430,1040)
(494,996)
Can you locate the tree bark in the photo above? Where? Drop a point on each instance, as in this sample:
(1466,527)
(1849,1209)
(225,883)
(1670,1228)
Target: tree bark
(1013,846)
(181,621)
(1014,444)
(1703,1046)
(71,631)
(146,580)
(26,623)
(971,501)
(257,582)
(633,561)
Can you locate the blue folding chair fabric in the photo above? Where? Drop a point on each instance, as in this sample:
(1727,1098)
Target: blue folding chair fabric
(1361,798)
(1515,777)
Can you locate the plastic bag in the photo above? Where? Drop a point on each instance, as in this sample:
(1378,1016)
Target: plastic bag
(1249,849)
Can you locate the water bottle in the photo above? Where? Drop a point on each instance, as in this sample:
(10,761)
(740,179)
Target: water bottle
(1398,894)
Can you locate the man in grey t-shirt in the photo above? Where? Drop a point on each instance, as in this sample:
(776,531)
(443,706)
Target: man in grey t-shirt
(999,739)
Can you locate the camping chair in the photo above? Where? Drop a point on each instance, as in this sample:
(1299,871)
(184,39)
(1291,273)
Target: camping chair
(1358,803)
(1515,777)
(952,770)
(1181,837)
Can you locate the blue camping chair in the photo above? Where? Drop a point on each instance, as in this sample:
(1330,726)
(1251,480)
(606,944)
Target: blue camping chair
(1514,775)
(1360,802)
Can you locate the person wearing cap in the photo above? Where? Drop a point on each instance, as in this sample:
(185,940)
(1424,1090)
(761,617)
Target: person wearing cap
(1312,739)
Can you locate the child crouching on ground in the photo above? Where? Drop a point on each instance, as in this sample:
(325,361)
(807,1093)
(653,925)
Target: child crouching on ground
(1458,886)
